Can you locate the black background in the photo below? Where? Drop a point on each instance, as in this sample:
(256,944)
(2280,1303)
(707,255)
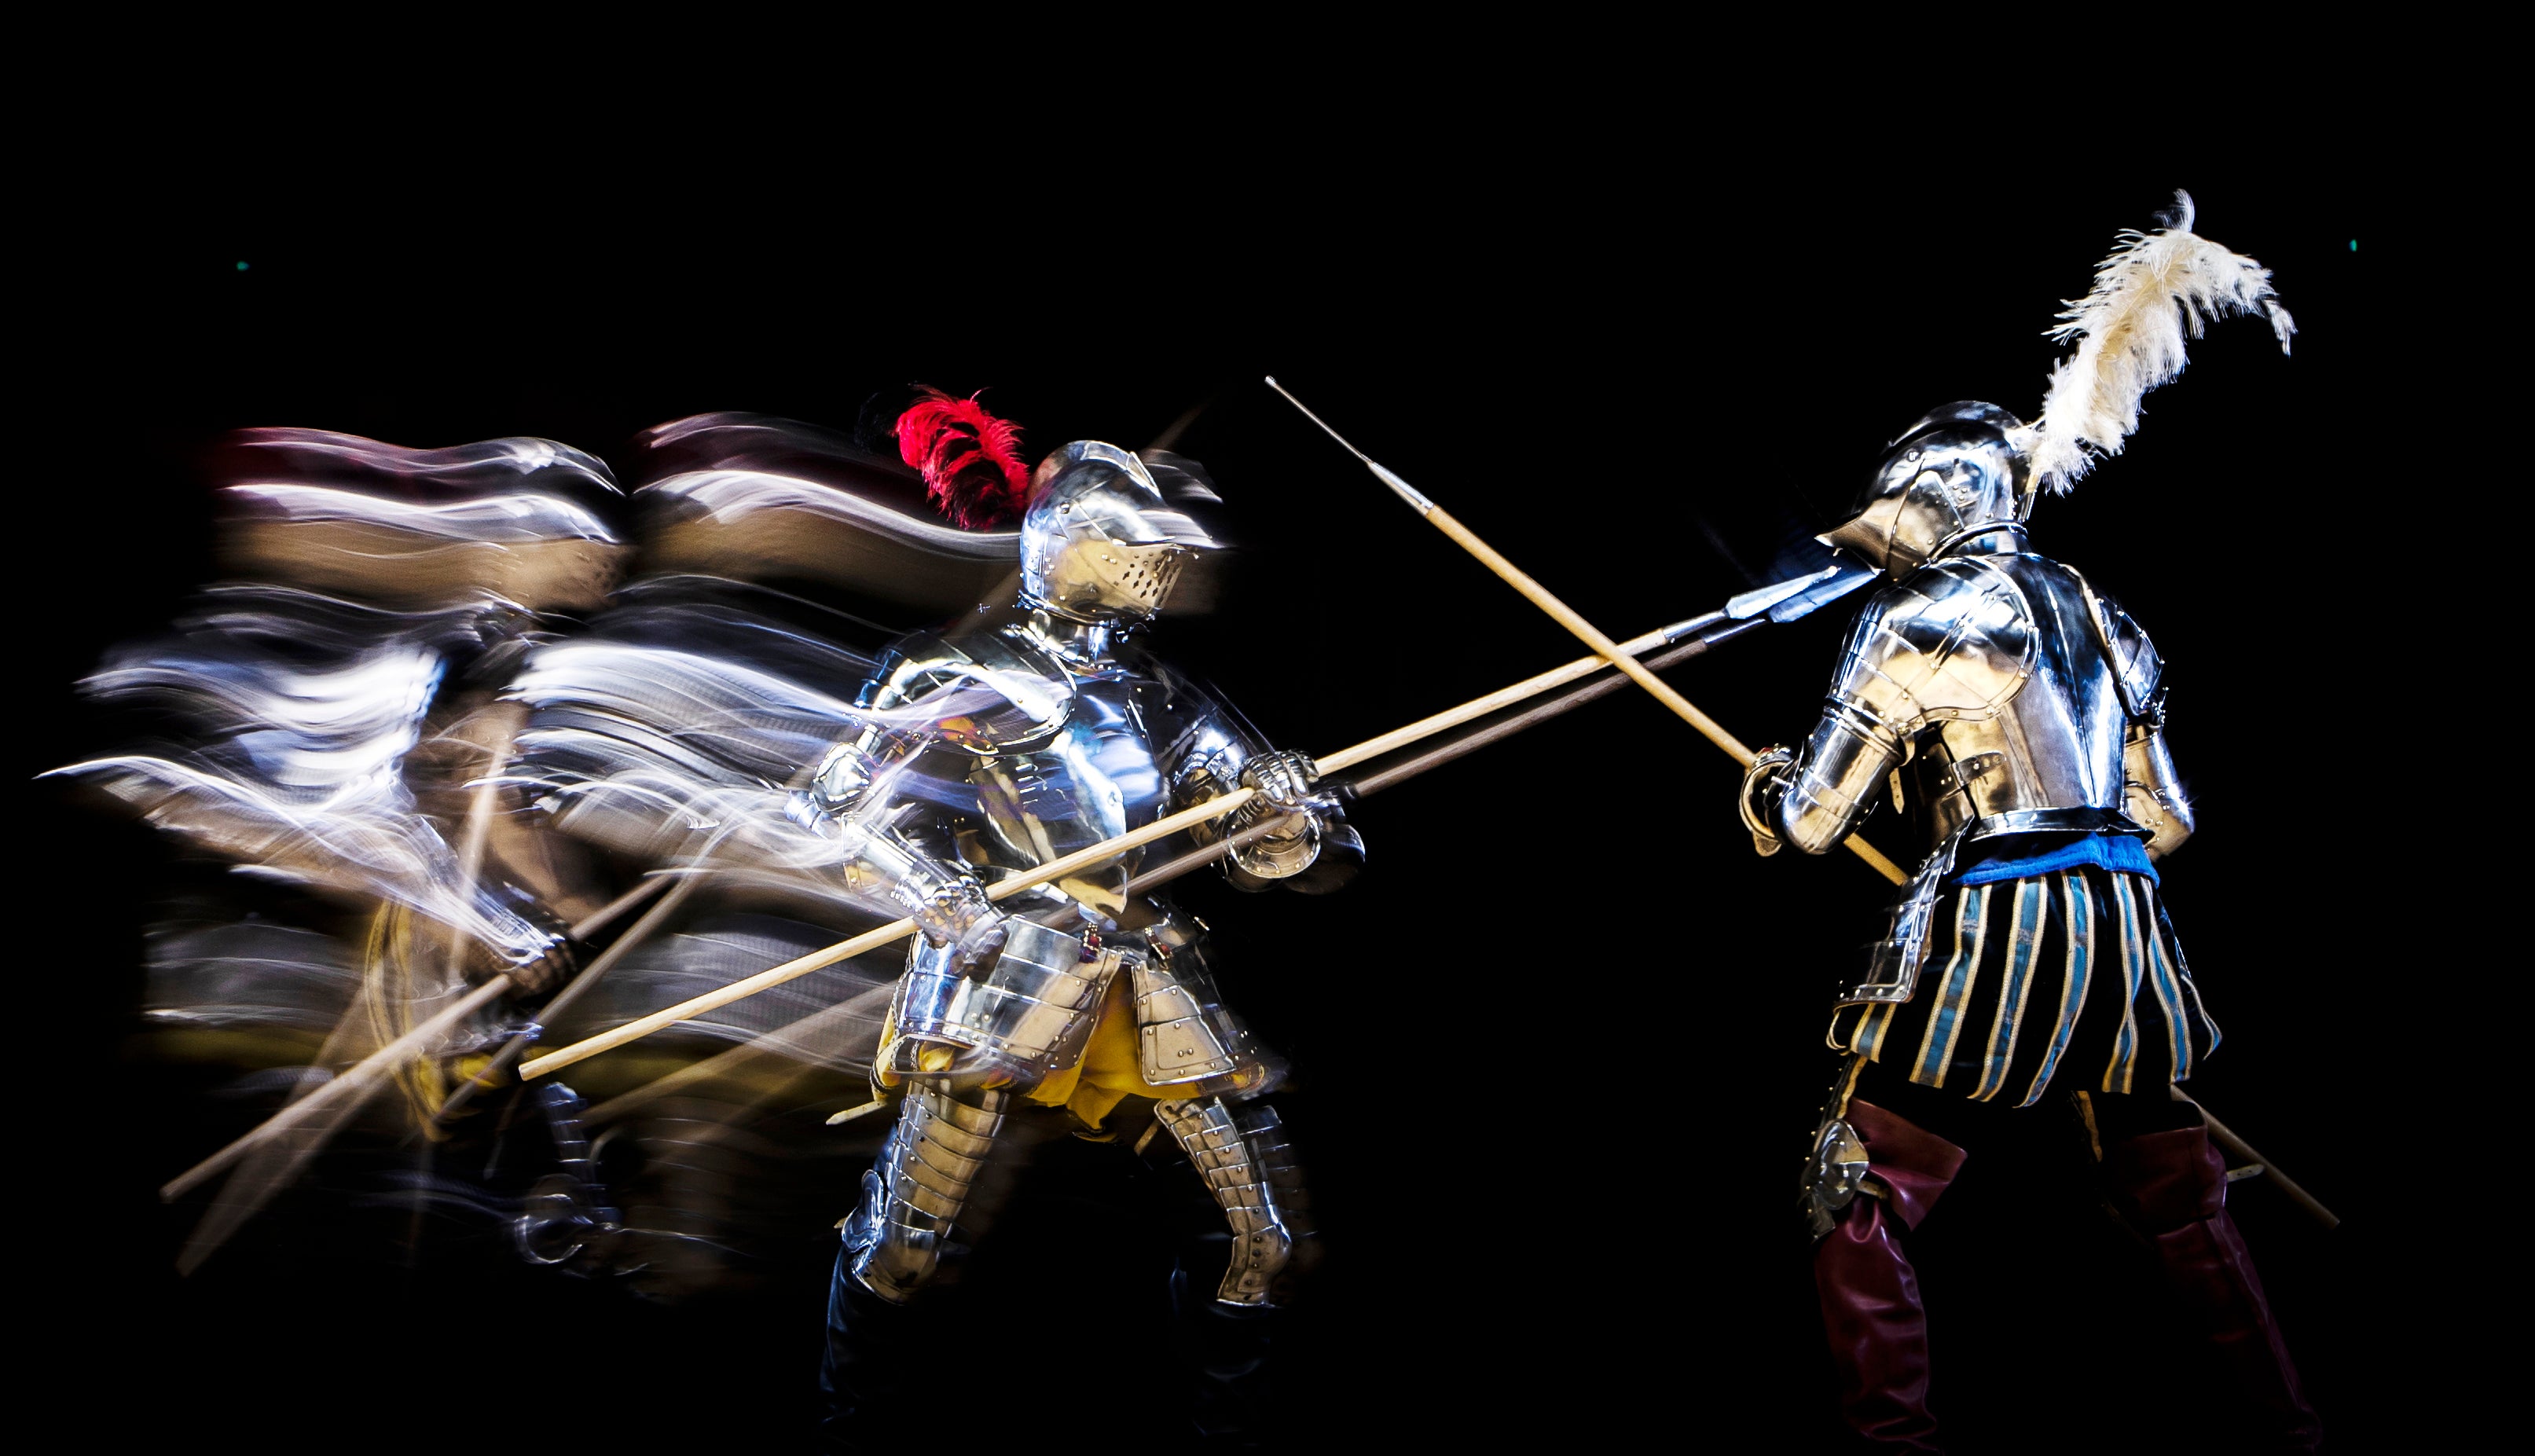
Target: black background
(1557,1047)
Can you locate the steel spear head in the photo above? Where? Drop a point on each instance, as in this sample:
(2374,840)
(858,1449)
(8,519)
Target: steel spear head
(1785,601)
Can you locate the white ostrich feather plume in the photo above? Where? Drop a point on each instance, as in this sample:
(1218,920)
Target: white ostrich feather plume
(2157,289)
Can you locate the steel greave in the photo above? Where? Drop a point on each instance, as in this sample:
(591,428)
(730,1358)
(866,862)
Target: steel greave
(1237,1156)
(913,1193)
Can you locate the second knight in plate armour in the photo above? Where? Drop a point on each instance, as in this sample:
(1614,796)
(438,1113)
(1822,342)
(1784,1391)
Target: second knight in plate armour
(2015,715)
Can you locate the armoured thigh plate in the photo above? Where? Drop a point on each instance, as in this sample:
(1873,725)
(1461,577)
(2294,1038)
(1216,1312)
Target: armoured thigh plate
(1183,1032)
(1028,1018)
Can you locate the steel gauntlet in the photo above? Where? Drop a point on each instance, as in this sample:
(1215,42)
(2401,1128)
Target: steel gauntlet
(1764,787)
(956,912)
(1284,780)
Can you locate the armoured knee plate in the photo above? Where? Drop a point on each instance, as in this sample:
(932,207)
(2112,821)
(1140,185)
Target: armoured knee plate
(1237,1154)
(893,1240)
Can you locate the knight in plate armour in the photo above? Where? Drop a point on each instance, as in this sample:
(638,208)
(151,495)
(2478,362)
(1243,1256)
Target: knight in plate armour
(2015,714)
(1084,996)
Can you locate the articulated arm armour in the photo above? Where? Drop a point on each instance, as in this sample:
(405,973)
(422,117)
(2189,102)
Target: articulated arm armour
(880,857)
(885,847)
(2152,794)
(1992,692)
(2154,797)
(1953,642)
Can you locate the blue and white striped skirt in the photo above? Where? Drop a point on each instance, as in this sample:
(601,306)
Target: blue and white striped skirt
(2073,974)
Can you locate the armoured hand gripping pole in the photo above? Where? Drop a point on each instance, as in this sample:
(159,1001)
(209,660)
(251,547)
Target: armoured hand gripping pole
(1613,652)
(1237,1154)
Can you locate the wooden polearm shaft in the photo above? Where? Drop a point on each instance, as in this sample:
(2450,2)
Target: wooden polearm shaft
(2225,1136)
(363,1075)
(1099,854)
(1708,727)
(1567,617)
(1154,877)
(582,985)
(794,1036)
(366,1075)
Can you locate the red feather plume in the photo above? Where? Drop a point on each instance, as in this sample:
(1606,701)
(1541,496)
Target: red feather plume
(971,460)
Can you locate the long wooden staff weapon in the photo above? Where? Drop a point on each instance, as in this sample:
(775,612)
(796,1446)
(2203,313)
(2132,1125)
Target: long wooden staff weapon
(580,986)
(366,1075)
(1567,617)
(371,1072)
(1107,850)
(1619,657)
(1780,603)
(363,1078)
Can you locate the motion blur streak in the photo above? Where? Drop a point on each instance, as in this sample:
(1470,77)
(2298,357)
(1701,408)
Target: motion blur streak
(430,726)
(298,775)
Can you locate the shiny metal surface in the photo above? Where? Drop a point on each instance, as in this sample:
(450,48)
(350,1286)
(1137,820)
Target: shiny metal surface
(1284,780)
(1987,691)
(1949,474)
(1098,539)
(1238,1153)
(1183,1031)
(1028,1018)
(1216,760)
(1834,1174)
(914,1192)
(1763,785)
(1984,679)
(1069,736)
(1892,965)
(2152,794)
(1064,735)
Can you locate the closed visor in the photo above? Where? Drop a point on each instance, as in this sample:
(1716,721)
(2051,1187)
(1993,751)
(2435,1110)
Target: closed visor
(1094,488)
(1117,571)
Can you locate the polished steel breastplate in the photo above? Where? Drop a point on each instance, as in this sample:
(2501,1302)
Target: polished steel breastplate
(1094,778)
(2048,756)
